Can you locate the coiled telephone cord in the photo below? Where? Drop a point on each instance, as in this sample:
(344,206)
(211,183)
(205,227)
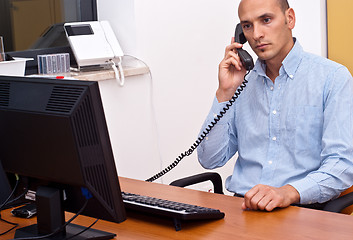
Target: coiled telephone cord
(203,134)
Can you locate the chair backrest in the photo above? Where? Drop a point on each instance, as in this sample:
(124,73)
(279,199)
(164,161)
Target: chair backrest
(214,177)
(349,209)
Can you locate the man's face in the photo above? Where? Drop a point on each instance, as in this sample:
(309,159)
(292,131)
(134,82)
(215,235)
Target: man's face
(267,28)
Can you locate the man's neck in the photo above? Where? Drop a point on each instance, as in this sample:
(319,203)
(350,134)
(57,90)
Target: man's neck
(272,70)
(273,65)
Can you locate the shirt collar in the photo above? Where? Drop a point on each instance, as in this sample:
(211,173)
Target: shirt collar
(289,65)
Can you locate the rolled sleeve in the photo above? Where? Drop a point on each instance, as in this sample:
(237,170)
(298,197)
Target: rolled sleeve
(215,150)
(215,110)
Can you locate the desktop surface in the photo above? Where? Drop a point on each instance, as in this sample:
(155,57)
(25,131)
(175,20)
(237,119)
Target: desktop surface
(289,223)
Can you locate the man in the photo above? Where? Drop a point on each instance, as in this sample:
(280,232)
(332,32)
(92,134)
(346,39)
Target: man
(292,123)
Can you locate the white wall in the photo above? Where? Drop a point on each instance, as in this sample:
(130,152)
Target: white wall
(310,27)
(182,42)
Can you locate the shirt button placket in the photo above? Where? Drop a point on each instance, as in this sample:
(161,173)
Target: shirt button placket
(270,164)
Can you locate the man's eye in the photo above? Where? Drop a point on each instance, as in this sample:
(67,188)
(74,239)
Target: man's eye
(246,26)
(267,20)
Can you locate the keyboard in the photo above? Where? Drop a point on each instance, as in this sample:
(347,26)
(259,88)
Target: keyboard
(176,210)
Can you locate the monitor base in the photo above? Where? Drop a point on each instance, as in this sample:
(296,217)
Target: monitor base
(71,229)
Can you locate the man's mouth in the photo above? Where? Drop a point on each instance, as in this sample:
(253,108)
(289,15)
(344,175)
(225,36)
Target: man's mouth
(261,46)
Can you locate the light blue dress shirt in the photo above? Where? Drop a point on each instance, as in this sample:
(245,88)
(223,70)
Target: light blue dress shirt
(297,131)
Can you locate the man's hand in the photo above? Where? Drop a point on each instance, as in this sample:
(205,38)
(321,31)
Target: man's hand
(231,73)
(263,197)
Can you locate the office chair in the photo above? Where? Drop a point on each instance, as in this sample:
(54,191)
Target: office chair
(342,204)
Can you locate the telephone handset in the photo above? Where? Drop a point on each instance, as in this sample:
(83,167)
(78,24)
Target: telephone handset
(245,57)
(247,61)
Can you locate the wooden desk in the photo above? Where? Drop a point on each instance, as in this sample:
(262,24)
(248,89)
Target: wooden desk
(290,223)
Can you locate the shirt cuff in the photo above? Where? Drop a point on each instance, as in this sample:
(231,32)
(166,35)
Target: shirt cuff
(308,189)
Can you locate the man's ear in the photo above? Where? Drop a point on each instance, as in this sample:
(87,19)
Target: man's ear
(290,18)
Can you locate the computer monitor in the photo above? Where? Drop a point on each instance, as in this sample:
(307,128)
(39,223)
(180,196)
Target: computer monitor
(54,133)
(5,188)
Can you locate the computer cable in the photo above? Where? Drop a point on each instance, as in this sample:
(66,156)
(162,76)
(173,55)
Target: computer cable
(61,228)
(84,230)
(154,116)
(203,134)
(14,202)
(117,67)
(4,204)
(12,193)
(9,203)
(119,72)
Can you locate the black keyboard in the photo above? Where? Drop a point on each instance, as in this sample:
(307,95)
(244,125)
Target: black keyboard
(176,210)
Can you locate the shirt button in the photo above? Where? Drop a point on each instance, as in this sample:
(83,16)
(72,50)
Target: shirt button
(291,76)
(274,112)
(274,138)
(270,162)
(271,88)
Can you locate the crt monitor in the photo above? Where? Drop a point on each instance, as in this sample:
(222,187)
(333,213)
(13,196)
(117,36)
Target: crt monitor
(54,134)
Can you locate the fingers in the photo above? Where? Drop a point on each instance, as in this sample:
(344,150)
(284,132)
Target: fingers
(262,197)
(232,58)
(231,73)
(231,55)
(255,198)
(232,61)
(267,203)
(233,47)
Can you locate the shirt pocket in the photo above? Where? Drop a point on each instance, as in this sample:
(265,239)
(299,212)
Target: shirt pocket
(303,128)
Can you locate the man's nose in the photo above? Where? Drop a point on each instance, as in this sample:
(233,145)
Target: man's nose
(257,32)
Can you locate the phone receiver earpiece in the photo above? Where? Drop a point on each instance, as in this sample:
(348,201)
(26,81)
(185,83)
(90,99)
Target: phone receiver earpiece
(245,57)
(239,35)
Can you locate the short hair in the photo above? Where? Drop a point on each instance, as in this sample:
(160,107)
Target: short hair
(283,4)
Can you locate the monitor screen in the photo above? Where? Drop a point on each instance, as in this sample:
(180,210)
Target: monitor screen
(54,133)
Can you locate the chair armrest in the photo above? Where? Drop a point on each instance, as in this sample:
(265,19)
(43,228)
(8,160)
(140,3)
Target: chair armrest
(338,204)
(215,178)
